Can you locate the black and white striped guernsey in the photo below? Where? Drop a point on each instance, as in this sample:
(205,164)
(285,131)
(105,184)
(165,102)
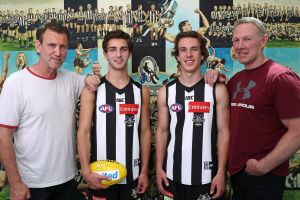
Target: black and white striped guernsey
(191,156)
(116,126)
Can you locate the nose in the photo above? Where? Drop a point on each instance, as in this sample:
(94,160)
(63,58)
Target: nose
(188,53)
(58,51)
(119,53)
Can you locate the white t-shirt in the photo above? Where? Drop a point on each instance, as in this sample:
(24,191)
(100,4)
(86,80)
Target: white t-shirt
(43,113)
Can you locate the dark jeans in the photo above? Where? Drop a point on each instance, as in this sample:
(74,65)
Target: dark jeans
(63,191)
(249,187)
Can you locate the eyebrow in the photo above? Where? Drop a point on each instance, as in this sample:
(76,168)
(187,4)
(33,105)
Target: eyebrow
(113,47)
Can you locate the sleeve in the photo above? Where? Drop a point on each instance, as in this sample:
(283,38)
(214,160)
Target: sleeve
(79,83)
(10,104)
(286,90)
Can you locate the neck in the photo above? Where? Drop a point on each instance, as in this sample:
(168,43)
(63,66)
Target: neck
(258,62)
(43,70)
(119,78)
(190,78)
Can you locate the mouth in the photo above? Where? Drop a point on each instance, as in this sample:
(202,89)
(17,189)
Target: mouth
(119,61)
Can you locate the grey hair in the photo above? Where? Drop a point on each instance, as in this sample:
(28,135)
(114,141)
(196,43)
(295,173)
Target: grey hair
(251,20)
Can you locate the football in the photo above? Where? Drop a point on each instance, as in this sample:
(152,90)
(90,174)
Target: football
(111,168)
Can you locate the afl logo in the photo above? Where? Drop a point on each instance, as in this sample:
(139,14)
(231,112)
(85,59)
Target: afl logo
(105,108)
(176,107)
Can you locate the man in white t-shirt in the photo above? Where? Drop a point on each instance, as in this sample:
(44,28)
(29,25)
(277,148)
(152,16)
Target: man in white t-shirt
(37,122)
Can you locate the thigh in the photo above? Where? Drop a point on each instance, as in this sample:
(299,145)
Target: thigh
(175,190)
(41,193)
(67,190)
(111,193)
(129,192)
(196,192)
(249,187)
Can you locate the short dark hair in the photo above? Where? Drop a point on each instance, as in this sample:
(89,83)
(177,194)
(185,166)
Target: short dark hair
(117,34)
(181,25)
(53,26)
(191,34)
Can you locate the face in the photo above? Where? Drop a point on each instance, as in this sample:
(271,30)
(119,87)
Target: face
(189,54)
(53,50)
(117,54)
(248,44)
(187,27)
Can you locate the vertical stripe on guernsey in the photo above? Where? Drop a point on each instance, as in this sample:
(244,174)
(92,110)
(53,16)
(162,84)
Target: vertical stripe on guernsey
(116,126)
(191,157)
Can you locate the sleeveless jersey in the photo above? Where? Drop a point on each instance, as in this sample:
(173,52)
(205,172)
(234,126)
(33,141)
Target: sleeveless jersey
(116,129)
(191,156)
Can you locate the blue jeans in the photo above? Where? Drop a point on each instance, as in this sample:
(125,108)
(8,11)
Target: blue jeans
(249,187)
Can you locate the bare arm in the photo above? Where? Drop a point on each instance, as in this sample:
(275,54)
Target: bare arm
(5,70)
(203,29)
(285,148)
(223,121)
(18,190)
(84,136)
(169,37)
(161,138)
(145,141)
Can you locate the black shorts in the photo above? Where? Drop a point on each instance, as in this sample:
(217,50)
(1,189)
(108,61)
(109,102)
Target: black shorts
(22,29)
(117,192)
(187,192)
(110,21)
(89,21)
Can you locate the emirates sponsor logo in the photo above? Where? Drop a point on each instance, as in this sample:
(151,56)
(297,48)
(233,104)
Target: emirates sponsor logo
(199,107)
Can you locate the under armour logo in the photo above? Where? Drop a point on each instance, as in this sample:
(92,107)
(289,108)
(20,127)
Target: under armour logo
(245,90)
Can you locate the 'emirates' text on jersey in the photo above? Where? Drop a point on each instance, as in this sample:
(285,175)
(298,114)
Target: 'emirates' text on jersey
(191,149)
(116,130)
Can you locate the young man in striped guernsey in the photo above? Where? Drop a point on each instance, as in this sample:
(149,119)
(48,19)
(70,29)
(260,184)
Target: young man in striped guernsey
(193,128)
(119,111)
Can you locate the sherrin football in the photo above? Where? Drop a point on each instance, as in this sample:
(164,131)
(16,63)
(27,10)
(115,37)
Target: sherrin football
(111,168)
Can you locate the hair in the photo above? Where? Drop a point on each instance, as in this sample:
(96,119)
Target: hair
(191,34)
(117,34)
(181,25)
(53,26)
(251,20)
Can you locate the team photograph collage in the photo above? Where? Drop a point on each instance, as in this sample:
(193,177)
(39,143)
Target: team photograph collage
(149,100)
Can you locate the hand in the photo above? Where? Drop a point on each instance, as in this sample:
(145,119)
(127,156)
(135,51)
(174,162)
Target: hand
(217,187)
(6,56)
(197,10)
(142,183)
(19,191)
(94,181)
(160,178)
(211,77)
(91,82)
(255,167)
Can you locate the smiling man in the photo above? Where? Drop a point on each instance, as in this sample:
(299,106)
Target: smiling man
(193,128)
(37,122)
(265,117)
(119,112)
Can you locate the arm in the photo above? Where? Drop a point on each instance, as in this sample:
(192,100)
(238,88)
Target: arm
(5,70)
(84,137)
(18,190)
(161,138)
(145,141)
(223,121)
(285,148)
(202,30)
(169,37)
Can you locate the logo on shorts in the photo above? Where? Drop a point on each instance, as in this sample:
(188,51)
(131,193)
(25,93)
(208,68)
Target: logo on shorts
(176,107)
(106,108)
(204,197)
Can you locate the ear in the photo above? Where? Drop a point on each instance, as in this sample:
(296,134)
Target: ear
(38,46)
(265,40)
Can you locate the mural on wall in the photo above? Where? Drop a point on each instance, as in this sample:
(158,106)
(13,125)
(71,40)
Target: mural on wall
(153,26)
